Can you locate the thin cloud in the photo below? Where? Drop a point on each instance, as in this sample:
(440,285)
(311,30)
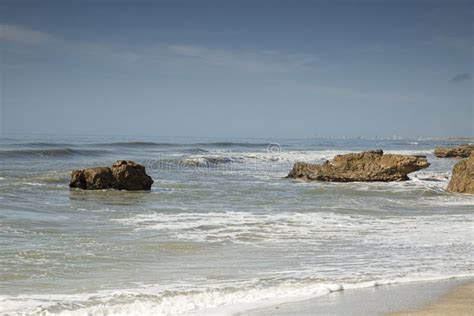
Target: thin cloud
(21,36)
(15,33)
(461,77)
(162,56)
(252,61)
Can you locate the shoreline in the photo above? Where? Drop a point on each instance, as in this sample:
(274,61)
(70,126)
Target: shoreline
(418,298)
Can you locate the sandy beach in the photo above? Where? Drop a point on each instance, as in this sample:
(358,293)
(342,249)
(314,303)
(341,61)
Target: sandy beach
(459,301)
(445,297)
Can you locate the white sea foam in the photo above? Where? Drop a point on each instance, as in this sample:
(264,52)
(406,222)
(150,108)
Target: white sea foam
(253,157)
(219,156)
(304,228)
(223,300)
(34,184)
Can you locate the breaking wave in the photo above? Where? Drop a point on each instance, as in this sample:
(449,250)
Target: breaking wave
(181,300)
(219,157)
(138,144)
(51,152)
(302,228)
(41,145)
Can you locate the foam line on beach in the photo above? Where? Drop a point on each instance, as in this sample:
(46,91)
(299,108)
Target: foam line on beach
(150,300)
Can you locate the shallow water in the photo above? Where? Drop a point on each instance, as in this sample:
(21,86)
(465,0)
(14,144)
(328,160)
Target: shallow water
(221,225)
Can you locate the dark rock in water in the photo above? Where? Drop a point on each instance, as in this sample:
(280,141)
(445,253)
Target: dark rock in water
(462,151)
(364,166)
(124,175)
(92,179)
(130,176)
(462,179)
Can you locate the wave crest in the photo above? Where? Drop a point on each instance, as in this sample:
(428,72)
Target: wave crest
(51,152)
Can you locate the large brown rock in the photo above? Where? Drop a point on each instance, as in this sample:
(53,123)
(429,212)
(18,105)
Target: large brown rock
(462,151)
(462,178)
(92,179)
(130,176)
(364,166)
(124,175)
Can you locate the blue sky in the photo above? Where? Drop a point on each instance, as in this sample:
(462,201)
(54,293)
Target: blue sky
(237,68)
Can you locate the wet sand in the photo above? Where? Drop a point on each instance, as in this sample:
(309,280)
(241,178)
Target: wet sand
(446,297)
(458,302)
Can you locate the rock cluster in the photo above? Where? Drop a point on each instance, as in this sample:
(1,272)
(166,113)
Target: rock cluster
(364,166)
(462,178)
(462,151)
(123,175)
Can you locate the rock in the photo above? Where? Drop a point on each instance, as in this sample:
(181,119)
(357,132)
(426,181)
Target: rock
(124,175)
(92,179)
(130,176)
(462,178)
(419,156)
(462,151)
(364,166)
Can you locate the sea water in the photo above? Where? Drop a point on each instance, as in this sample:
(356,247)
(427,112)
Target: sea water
(222,230)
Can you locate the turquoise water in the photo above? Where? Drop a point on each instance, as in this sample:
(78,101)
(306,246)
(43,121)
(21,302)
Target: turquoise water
(221,228)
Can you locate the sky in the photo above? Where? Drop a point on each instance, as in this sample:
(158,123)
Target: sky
(237,68)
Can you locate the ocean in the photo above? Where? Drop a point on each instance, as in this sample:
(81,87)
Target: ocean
(221,231)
